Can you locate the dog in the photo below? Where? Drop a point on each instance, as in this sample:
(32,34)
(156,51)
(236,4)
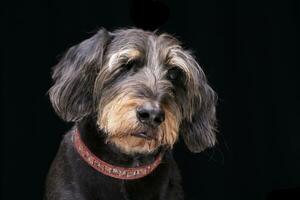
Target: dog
(131,94)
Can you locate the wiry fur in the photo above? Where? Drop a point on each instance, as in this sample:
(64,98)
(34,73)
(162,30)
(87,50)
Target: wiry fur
(95,87)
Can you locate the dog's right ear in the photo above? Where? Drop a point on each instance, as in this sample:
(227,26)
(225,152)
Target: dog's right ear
(74,77)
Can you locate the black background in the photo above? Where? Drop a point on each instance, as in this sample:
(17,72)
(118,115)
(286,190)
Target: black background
(248,49)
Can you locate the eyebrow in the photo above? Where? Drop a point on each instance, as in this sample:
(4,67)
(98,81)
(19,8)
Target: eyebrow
(126,54)
(176,57)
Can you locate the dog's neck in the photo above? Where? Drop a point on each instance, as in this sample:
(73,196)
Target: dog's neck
(95,141)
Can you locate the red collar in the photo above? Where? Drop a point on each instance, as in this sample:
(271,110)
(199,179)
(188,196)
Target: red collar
(125,173)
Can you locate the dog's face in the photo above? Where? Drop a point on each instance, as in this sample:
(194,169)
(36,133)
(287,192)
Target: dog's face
(143,88)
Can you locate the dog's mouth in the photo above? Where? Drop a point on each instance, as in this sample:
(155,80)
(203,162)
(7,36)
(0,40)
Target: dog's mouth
(147,135)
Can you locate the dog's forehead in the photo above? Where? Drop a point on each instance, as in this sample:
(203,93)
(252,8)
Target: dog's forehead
(143,41)
(157,51)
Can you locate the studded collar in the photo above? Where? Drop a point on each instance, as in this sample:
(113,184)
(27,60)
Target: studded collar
(124,173)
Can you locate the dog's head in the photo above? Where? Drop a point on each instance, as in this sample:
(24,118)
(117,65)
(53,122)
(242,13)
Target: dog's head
(144,89)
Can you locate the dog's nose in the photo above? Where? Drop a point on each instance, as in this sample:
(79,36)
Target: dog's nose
(151,115)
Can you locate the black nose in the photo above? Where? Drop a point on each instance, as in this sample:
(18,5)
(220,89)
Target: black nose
(151,115)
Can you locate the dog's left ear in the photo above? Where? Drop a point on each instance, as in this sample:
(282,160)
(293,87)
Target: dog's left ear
(199,129)
(74,77)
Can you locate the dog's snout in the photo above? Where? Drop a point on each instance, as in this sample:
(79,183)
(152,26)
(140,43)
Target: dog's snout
(150,114)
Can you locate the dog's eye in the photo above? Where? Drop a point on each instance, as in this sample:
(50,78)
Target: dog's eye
(174,74)
(129,65)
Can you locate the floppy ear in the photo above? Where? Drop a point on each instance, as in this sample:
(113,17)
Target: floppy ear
(198,131)
(74,77)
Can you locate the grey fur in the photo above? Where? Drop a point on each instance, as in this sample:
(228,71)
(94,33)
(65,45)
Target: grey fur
(74,76)
(92,73)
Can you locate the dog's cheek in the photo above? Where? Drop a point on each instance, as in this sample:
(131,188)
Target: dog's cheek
(119,116)
(170,127)
(122,124)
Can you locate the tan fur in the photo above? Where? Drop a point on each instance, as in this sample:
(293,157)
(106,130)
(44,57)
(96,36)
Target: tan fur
(118,119)
(170,127)
(130,144)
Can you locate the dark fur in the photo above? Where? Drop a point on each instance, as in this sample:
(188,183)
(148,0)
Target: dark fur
(71,178)
(85,82)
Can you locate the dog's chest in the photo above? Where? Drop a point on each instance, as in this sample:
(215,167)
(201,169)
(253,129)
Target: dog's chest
(147,188)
